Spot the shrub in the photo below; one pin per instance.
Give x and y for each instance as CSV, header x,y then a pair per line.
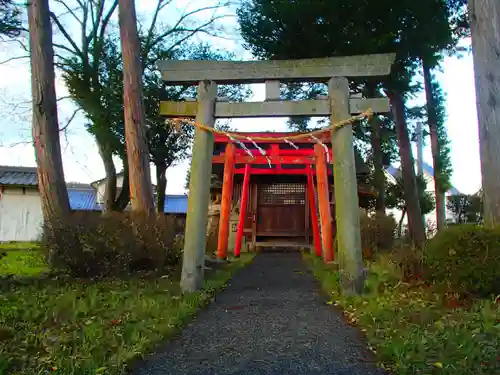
x,y
86,245
466,258
377,232
408,259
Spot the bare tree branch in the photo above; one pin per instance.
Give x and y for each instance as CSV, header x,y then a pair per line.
x,y
14,58
70,11
191,32
182,19
70,40
161,4
107,18
71,118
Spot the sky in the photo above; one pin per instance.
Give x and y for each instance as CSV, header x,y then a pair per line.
x,y
81,160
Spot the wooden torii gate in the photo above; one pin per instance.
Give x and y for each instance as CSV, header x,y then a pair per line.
x,y
338,106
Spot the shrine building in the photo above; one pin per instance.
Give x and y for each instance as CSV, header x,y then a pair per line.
x,y
272,184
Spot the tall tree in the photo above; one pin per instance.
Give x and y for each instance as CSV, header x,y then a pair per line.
x,y
436,115
141,190
51,183
485,25
89,57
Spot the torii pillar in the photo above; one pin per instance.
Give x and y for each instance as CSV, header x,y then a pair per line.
x,y
199,191
350,256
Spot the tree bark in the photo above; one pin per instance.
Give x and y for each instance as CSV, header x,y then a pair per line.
x,y
378,164
432,120
161,182
415,222
110,170
141,192
484,18
400,224
45,127
123,199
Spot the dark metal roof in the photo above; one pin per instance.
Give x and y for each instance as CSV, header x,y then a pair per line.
x,y
19,176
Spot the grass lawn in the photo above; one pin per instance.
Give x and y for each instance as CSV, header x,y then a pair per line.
x,y
95,327
21,259
411,327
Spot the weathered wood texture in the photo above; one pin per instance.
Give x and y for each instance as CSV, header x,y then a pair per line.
x,y
199,192
318,107
45,127
141,191
346,192
484,17
242,72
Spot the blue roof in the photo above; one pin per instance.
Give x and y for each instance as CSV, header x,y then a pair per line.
x,y
176,204
394,172
85,200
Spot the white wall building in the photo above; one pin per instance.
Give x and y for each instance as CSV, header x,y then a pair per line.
x,y
20,205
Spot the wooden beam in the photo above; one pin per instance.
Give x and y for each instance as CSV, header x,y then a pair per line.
x,y
325,213
314,212
283,108
273,90
227,200
183,72
243,211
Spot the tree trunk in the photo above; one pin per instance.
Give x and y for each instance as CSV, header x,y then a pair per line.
x,y
378,164
45,127
415,222
432,120
400,224
161,182
484,18
141,191
110,170
123,199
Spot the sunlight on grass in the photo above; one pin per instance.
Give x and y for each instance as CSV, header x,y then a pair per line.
x,y
95,327
22,263
410,327
18,245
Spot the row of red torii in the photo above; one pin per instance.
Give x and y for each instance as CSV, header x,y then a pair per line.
x,y
338,106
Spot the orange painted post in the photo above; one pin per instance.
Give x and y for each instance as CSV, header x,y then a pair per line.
x,y
227,200
243,211
314,212
324,203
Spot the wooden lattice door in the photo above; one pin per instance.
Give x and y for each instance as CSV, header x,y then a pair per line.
x,y
281,210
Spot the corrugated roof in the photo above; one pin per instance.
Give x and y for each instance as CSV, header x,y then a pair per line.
x,y
176,204
83,199
20,176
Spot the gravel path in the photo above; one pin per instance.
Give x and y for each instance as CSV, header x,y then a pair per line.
x,y
272,319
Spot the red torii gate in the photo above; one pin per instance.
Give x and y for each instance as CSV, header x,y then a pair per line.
x,y
277,157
